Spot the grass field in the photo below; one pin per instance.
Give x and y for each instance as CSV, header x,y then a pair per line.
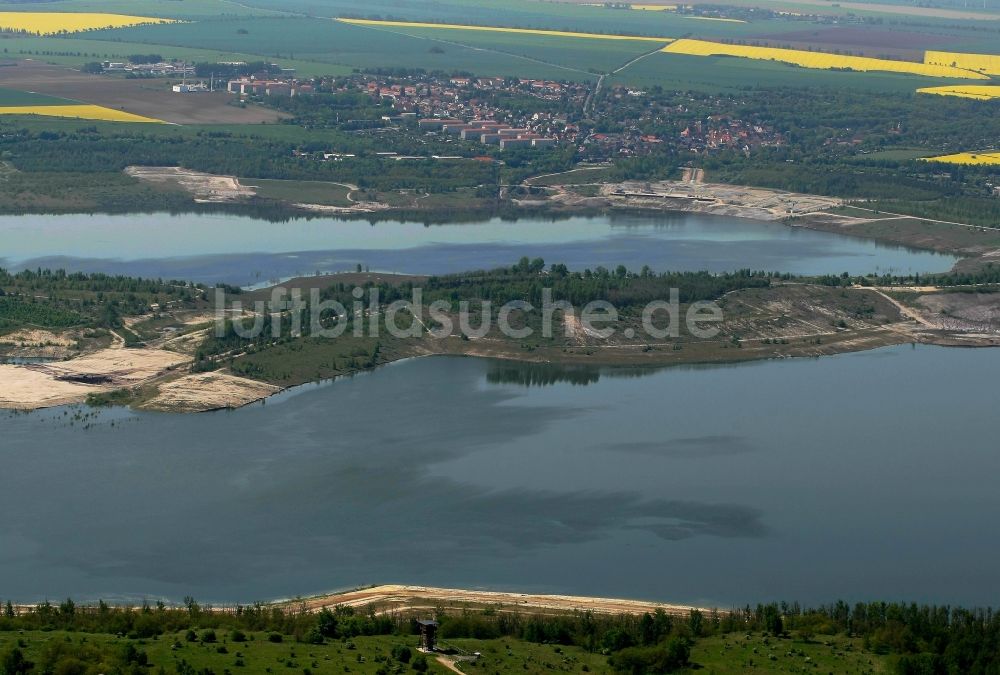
x,y
296,191
723,655
818,60
737,654
15,97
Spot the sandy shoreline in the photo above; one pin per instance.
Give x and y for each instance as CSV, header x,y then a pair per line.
x,y
392,597
777,322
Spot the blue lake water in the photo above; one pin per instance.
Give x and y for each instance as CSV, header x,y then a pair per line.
x,y
248,251
860,476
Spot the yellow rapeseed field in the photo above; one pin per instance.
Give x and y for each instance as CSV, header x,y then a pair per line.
x,y
982,63
983,92
496,29
81,111
48,23
978,158
817,60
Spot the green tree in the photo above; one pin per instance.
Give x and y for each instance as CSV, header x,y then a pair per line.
x,y
14,663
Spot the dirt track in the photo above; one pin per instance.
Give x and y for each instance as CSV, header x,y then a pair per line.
x,y
397,597
150,98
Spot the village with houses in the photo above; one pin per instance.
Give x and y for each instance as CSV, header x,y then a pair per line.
x,y
490,111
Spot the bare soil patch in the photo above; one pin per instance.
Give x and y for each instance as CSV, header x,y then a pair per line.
x,y
150,98
202,392
830,7
37,343
43,385
900,44
966,312
205,187
395,597
714,198
852,36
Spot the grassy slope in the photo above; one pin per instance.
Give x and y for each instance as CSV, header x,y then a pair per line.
x,y
723,655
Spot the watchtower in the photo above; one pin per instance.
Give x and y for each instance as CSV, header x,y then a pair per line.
x,y
428,634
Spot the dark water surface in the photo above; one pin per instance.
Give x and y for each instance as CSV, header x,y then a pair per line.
x,y
248,251
860,476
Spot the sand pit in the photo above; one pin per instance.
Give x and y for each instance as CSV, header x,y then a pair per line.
x,y
206,188
202,392
44,385
396,597
37,343
714,198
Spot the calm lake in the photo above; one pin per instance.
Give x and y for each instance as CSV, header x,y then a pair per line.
x,y
248,251
860,476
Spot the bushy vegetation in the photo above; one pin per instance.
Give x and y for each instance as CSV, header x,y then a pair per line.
x,y
57,299
527,279
915,639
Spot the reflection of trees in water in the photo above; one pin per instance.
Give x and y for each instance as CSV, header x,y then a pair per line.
x,y
547,374
541,374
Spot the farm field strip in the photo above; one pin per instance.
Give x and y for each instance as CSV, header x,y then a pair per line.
x,y
988,64
83,111
971,158
712,18
982,92
498,29
51,23
817,60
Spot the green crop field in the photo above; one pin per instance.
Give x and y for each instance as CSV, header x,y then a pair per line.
x,y
528,14
344,46
578,54
183,9
11,97
75,51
